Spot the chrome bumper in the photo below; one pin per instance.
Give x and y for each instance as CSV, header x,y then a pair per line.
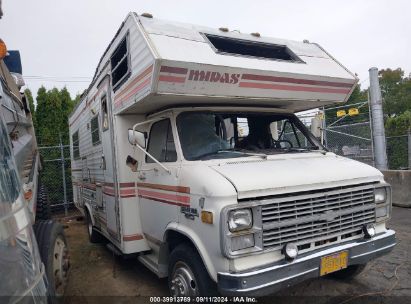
x,y
267,280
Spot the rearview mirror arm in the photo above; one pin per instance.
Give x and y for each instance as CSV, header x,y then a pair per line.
x,y
144,150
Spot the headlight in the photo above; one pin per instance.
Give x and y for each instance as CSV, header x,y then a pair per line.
x,y
380,195
382,198
240,219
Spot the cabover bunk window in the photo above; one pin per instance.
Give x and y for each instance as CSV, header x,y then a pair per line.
x,y
120,66
232,46
76,145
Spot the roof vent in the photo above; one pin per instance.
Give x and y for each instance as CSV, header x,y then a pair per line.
x,y
256,34
306,41
147,15
223,29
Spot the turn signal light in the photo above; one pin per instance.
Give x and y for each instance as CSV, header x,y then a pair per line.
x,y
3,49
207,217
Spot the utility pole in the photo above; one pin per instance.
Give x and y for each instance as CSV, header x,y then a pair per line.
x,y
63,172
378,131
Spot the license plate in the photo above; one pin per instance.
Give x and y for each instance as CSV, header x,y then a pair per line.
x,y
334,262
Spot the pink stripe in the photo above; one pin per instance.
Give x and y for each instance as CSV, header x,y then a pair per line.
x,y
296,80
134,81
166,196
259,85
172,79
127,191
134,91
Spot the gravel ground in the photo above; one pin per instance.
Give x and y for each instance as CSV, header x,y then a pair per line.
x,y
98,277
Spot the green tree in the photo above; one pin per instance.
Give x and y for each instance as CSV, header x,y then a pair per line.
x,y
30,100
67,105
396,91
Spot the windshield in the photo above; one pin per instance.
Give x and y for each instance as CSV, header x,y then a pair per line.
x,y
210,135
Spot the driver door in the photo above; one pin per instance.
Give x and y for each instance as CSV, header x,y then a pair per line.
x,y
160,199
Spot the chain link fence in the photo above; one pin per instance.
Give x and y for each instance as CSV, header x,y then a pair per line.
x,y
348,133
56,177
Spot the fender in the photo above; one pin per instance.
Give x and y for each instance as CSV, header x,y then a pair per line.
x,y
88,207
191,234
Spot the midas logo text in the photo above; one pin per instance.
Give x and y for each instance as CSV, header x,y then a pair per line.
x,y
209,76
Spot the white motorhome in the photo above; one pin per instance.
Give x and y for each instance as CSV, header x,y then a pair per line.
x,y
186,152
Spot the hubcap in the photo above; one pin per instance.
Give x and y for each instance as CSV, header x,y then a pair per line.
x,y
61,265
183,282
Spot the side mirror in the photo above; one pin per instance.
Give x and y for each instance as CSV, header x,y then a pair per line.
x,y
316,124
137,138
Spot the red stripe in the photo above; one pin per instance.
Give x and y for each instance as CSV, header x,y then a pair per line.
x,y
134,81
296,80
259,85
172,79
180,189
127,196
127,191
132,237
174,70
132,92
166,196
164,201
123,185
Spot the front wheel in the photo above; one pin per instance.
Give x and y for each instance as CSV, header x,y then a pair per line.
x,y
187,274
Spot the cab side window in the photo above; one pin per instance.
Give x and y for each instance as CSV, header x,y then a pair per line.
x,y
161,142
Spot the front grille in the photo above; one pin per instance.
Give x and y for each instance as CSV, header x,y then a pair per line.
x,y
312,218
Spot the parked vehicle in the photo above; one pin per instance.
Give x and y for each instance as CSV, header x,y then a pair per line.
x,y
33,249
186,151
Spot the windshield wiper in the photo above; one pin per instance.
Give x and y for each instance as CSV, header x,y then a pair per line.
x,y
306,149
230,151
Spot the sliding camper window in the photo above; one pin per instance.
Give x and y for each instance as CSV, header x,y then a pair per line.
x,y
248,48
161,142
95,131
120,66
76,145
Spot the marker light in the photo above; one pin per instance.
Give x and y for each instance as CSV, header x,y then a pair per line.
x,y
3,49
290,251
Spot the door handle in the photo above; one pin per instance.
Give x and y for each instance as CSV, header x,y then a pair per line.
x,y
142,176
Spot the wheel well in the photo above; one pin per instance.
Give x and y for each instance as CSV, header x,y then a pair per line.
x,y
175,238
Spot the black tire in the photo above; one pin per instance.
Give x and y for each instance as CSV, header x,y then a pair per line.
x,y
185,255
43,206
93,235
348,273
53,251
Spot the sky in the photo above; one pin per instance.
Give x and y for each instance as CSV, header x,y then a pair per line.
x,y
62,41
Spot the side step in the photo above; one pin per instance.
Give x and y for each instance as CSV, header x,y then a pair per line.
x,y
150,261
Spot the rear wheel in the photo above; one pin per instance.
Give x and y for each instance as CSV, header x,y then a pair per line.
x,y
187,274
93,235
54,254
42,206
348,273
